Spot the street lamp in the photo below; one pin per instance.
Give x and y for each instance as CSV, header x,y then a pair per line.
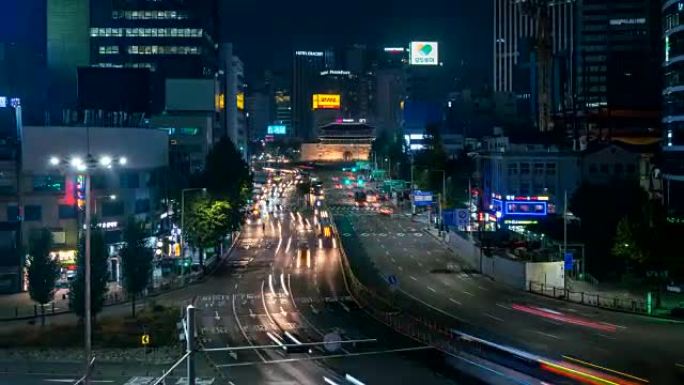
x,y
182,234
86,166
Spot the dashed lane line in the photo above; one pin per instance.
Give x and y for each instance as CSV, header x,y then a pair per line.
x,y
454,301
432,289
493,317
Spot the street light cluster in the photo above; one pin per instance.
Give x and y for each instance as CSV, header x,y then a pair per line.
x,y
80,164
86,166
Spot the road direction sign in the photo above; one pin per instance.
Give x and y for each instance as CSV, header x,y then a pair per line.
x,y
331,342
393,281
569,261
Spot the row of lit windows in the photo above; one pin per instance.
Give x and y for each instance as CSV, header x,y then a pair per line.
x,y
146,32
164,50
108,50
149,15
150,66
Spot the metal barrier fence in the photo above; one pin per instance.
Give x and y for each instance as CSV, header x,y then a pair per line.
x,y
590,299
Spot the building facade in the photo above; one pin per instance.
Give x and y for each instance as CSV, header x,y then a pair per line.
x,y
619,66
512,26
307,68
172,39
67,49
673,110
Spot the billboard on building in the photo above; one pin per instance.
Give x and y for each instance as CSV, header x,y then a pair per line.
x,y
276,129
425,53
326,101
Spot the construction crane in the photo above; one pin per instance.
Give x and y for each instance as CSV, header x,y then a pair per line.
x,y
538,12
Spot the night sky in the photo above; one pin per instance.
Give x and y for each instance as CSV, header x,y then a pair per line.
x,y
265,32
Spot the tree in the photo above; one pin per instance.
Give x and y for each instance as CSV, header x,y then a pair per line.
x,y
627,244
226,175
136,260
600,208
98,275
43,270
207,223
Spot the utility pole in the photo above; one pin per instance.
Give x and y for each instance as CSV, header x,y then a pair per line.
x,y
87,313
190,343
565,235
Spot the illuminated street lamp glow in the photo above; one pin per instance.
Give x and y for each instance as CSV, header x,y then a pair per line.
x,y
54,160
106,161
123,161
112,197
76,162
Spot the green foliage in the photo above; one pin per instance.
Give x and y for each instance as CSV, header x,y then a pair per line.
x,y
628,244
208,222
43,270
136,260
226,176
600,208
98,277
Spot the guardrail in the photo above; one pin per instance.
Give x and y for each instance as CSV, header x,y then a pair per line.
x,y
589,299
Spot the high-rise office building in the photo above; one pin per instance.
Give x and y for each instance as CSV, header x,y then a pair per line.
x,y
233,114
518,34
174,39
307,69
619,59
512,25
673,110
67,49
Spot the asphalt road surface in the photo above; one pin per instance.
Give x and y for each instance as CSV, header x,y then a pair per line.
x,y
278,281
382,246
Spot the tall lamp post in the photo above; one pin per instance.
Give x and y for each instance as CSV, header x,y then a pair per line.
x,y
86,166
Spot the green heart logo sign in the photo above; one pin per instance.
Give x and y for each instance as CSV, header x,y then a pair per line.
x,y
425,49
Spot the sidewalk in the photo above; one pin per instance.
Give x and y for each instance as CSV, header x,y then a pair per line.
x,y
20,305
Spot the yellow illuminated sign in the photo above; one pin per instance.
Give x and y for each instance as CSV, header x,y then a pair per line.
x,y
220,101
145,339
241,101
326,232
326,101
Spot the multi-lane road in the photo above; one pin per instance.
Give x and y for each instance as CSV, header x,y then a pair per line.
x,y
279,284
643,348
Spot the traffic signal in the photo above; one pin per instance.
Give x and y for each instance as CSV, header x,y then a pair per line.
x,y
360,182
347,181
353,169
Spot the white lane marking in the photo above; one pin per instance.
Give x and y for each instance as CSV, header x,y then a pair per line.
x,y
282,283
431,289
344,306
393,260
313,309
454,301
503,306
606,336
493,317
387,252
270,284
482,288
552,322
289,242
353,380
468,293
72,380
420,264
413,278
405,249
329,381
429,252
547,335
